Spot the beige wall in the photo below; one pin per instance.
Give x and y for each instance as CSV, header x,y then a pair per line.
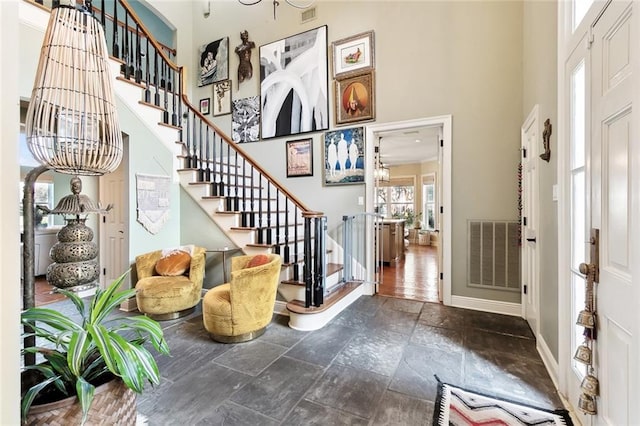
x,y
540,87
459,58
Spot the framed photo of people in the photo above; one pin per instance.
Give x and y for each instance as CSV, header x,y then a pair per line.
x,y
355,99
300,158
213,62
353,54
344,156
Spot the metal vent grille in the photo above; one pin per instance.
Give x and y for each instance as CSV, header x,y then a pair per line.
x,y
308,14
494,255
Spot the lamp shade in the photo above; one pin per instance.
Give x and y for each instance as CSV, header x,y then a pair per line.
x,y
72,124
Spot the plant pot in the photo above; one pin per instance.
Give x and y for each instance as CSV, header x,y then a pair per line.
x,y
113,403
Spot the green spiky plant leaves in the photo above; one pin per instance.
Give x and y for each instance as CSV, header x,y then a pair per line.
x,y
87,350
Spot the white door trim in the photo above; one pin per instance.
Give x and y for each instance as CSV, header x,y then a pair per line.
x,y
445,122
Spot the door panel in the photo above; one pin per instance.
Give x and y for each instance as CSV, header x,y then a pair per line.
x,y
530,268
611,126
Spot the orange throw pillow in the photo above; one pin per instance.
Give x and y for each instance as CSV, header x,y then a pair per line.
x,y
173,264
258,260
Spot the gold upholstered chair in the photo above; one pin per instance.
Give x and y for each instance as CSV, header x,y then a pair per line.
x,y
241,309
169,282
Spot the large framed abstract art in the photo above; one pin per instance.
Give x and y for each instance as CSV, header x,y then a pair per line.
x,y
213,62
294,84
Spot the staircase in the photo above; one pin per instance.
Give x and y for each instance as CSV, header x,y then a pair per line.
x,y
257,213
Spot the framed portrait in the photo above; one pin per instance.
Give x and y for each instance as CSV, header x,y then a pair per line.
x,y
222,98
204,106
344,156
300,158
245,120
355,100
213,62
353,54
293,84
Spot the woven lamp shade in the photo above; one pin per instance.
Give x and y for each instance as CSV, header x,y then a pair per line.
x,y
72,123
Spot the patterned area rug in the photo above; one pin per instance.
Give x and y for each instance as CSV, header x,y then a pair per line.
x,y
459,407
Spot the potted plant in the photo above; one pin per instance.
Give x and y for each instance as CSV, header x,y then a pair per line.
x,y
93,351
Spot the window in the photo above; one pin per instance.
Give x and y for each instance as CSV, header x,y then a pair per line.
x,y
42,196
396,202
429,210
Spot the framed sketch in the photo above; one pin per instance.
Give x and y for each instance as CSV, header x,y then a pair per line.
x,y
222,98
245,120
355,100
353,54
293,84
300,158
204,106
344,156
213,62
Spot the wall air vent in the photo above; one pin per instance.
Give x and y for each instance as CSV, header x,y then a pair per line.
x,y
494,255
308,14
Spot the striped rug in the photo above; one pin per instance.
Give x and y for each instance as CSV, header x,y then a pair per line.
x,y
459,407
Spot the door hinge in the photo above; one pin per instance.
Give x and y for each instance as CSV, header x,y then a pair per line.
x,y
524,152
441,276
104,271
590,41
104,219
524,221
441,142
524,289
441,210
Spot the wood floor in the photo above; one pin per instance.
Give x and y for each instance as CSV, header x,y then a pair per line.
x,y
45,292
415,278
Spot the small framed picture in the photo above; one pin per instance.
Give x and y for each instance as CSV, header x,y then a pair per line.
x,y
344,156
355,99
300,158
222,98
353,54
204,106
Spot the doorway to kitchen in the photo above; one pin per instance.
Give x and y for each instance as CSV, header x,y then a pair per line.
x,y
409,187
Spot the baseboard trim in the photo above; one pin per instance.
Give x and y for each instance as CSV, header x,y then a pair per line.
x,y
495,306
280,308
547,358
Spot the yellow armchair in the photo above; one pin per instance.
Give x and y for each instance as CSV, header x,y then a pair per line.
x,y
168,297
241,309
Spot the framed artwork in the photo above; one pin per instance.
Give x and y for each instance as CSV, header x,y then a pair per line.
x,y
355,99
344,156
222,98
245,120
293,84
213,62
300,158
204,106
353,54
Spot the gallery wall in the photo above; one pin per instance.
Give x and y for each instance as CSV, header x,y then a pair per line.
x,y
458,58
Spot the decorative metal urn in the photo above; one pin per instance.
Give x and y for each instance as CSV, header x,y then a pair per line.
x,y
75,255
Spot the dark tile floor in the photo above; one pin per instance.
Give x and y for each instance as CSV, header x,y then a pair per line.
x,y
375,364
372,365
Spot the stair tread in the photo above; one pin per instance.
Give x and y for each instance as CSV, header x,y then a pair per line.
x,y
171,126
208,161
154,106
297,306
126,80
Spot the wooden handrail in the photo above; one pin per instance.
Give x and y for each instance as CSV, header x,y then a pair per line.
x,y
133,30
185,99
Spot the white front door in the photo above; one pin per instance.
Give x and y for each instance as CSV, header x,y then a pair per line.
x,y
603,140
530,140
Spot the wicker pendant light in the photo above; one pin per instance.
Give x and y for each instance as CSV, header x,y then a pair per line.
x,y
72,123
